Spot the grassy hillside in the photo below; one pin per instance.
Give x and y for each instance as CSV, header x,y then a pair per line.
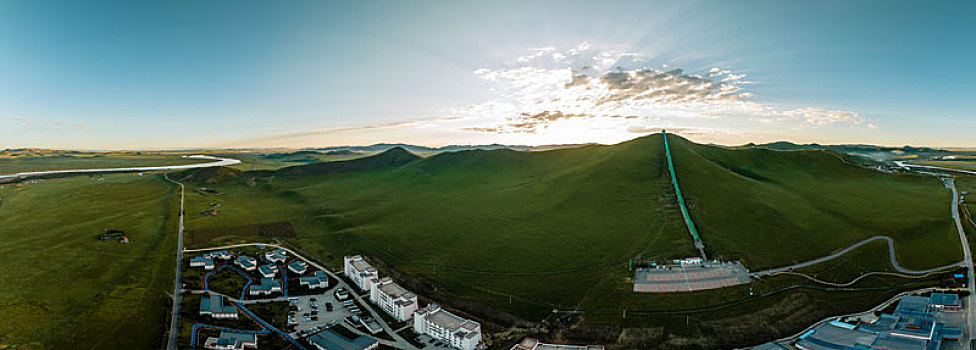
x,y
770,208
64,288
529,232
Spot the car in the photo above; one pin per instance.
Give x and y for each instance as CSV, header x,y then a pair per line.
x,y
315,318
307,319
328,306
312,299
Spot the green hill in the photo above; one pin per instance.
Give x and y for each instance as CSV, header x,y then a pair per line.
x,y
528,232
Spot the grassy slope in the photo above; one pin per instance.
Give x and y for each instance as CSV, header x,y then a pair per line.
x,y
66,289
769,208
555,229
9,165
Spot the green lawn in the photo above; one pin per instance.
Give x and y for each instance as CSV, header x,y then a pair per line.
x,y
64,288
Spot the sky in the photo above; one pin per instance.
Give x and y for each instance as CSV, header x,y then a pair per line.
x,y
248,74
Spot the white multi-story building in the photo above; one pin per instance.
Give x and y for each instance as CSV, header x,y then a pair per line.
x,y
459,332
359,271
393,299
247,263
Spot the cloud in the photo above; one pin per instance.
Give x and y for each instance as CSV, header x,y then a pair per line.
x,y
819,117
547,87
49,124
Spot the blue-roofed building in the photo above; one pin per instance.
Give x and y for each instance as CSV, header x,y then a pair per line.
x,y
298,266
944,302
912,326
213,305
268,270
232,341
330,340
276,256
319,279
247,263
267,286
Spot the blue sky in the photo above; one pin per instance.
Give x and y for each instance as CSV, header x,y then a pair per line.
x,y
175,74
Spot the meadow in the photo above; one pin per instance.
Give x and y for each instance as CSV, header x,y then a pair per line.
x,y
65,288
15,164
528,232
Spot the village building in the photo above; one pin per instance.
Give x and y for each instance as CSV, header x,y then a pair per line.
x,y
268,270
219,254
267,286
200,261
359,271
276,256
298,267
330,340
247,263
213,305
393,299
440,324
319,279
232,341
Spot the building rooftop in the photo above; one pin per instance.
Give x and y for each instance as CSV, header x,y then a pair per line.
x,y
215,304
267,284
944,299
912,303
235,340
449,321
394,290
329,339
362,266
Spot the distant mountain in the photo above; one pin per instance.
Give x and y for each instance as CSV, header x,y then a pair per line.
x,y
380,147
869,151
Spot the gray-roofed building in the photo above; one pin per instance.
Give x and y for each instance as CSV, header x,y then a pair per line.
x,y
771,346
359,271
330,340
393,299
436,322
267,286
213,305
319,279
219,254
298,266
232,341
202,261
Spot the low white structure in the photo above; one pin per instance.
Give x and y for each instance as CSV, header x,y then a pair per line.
x,y
202,261
267,286
247,263
219,254
268,270
535,344
232,341
359,271
298,266
393,299
276,256
213,305
459,332
319,279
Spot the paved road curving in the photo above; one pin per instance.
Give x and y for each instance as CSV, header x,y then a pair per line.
x,y
891,256
218,162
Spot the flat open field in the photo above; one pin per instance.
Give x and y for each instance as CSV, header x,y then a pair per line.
x,y
18,164
952,164
526,233
66,289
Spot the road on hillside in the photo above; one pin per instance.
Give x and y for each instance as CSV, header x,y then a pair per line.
x,y
174,325
891,256
971,300
218,162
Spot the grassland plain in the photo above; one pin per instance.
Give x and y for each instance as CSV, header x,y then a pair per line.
x,y
529,232
64,288
11,164
952,164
